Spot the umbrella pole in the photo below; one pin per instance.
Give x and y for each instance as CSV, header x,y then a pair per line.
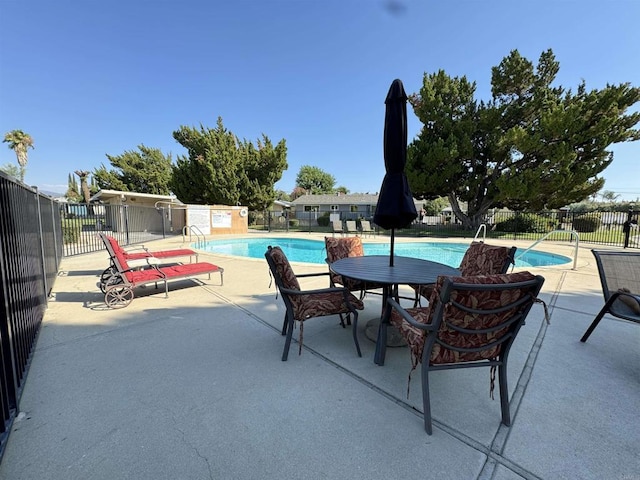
x,y
393,236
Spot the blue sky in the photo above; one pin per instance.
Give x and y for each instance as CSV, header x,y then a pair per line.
x,y
87,78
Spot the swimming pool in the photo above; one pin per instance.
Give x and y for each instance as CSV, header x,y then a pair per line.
x,y
312,251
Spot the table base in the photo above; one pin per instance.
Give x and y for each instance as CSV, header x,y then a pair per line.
x,y
394,338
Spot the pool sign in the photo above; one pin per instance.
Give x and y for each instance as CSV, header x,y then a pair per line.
x,y
198,216
221,219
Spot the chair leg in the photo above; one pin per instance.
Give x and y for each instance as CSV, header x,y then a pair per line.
x,y
504,393
354,329
287,342
596,320
416,300
426,401
284,324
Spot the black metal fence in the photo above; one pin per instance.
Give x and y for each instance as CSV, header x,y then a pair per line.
x,y
604,228
30,253
129,224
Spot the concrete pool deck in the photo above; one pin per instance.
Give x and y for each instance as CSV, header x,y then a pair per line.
x,y
192,387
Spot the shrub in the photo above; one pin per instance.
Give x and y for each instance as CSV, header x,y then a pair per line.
x,y
70,233
586,223
525,223
323,221
294,222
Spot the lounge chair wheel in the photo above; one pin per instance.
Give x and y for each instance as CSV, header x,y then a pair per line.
x,y
107,277
118,297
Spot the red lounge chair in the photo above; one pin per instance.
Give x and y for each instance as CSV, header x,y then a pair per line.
x,y
136,259
118,291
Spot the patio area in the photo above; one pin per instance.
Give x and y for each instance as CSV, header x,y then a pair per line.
x,y
192,387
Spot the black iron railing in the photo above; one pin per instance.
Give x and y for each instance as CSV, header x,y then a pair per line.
x,y
129,224
604,228
30,253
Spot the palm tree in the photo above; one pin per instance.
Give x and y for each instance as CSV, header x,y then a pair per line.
x,y
84,185
19,142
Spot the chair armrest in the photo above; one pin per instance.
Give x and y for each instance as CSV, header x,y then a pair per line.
x,y
408,318
311,292
133,248
157,269
143,262
312,274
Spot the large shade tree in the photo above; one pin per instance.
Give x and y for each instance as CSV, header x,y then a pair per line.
x,y
219,168
20,142
147,170
314,180
533,146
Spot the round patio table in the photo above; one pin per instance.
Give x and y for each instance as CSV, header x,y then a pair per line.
x,y
405,270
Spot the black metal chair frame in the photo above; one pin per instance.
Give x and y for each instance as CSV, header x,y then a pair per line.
x,y
611,293
289,320
514,324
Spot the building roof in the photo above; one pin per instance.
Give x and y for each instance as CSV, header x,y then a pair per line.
x,y
282,203
107,194
337,199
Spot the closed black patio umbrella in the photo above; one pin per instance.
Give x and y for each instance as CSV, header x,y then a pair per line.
x,y
395,207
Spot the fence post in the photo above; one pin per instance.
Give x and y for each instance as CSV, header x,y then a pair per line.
x,y
42,256
626,228
126,222
164,226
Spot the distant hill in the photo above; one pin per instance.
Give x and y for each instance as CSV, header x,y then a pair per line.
x,y
51,194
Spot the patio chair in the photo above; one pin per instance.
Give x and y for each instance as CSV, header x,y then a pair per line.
x,y
479,259
118,291
365,228
301,305
351,227
336,227
470,322
338,248
620,279
136,255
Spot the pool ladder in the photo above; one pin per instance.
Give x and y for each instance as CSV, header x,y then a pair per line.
x,y
192,229
483,228
573,234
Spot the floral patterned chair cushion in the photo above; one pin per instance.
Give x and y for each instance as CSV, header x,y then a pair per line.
x,y
311,305
483,259
479,259
338,248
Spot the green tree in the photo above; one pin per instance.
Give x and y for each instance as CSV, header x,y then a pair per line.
x,y
11,169
282,195
435,206
314,180
20,143
145,171
73,191
532,146
221,169
342,189
609,196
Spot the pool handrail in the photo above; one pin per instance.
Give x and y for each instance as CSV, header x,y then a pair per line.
x,y
573,233
195,230
482,227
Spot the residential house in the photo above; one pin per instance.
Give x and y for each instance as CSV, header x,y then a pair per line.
x,y
339,206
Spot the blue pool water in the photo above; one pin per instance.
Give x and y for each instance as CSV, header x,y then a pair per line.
x,y
312,251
